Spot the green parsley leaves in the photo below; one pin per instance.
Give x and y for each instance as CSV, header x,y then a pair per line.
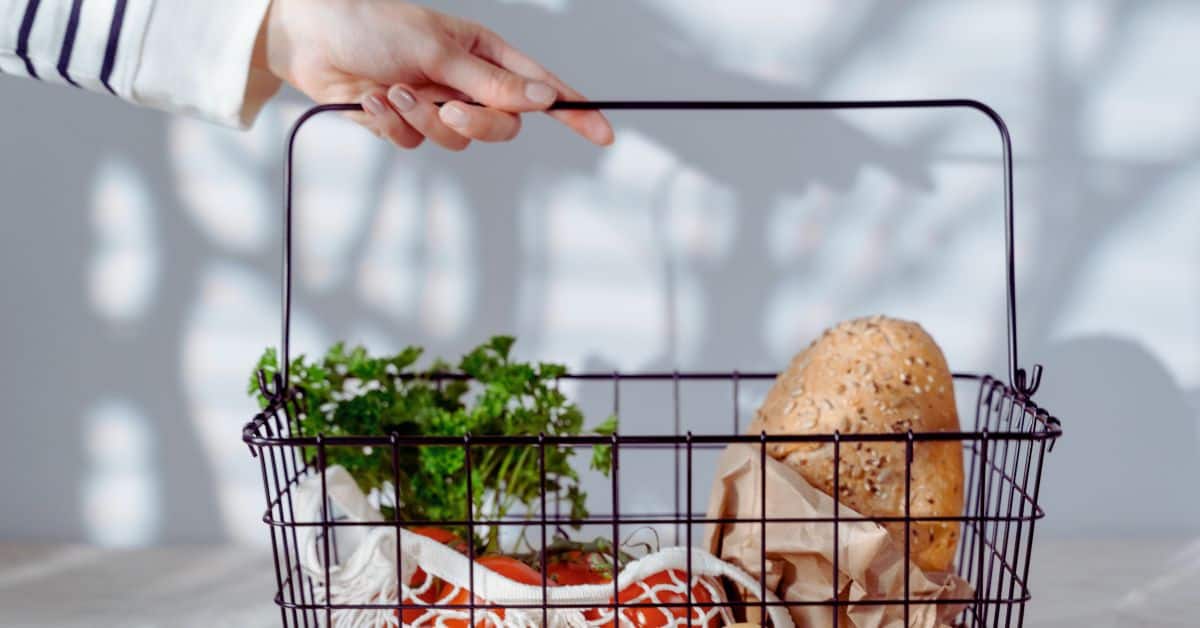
x,y
349,392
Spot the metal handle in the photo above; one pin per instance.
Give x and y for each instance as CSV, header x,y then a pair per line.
x,y
1019,380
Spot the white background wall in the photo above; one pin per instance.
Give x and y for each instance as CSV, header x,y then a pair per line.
x,y
138,252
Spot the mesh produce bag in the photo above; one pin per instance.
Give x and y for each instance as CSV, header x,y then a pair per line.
x,y
368,576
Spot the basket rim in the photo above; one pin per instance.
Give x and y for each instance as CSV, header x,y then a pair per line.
x,y
1049,430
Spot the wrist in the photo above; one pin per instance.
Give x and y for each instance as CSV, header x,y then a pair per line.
x,y
271,44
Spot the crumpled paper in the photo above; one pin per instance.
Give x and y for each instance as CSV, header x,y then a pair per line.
x,y
799,565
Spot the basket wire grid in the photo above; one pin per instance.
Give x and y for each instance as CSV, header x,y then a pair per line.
x,y
1003,459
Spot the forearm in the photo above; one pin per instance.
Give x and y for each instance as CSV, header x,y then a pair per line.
x,y
197,60
86,44
182,56
417,73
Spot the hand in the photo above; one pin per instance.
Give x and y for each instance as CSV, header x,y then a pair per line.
x,y
398,59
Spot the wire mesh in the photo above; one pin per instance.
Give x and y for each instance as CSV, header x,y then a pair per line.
x,y
1003,450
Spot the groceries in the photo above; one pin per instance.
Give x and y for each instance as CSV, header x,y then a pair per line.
x,y
875,375
351,393
454,595
807,561
667,590
424,589
362,590
872,376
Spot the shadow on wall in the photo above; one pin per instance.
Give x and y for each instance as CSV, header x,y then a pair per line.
x,y
714,241
1129,460
97,443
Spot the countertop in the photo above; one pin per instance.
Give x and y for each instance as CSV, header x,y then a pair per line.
x,y
1094,583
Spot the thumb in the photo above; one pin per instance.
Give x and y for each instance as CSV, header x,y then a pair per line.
x,y
491,85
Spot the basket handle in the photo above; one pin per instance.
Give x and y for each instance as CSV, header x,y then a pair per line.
x,y
1023,383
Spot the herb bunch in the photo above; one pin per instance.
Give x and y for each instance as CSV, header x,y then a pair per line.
x,y
349,392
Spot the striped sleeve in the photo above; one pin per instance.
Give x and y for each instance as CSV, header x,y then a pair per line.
x,y
178,55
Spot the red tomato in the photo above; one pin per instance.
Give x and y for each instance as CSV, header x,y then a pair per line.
x,y
441,535
419,577
667,589
511,568
579,567
506,566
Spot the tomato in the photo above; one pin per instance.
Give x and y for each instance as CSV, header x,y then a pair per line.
x,y
579,567
421,580
441,535
506,566
511,568
668,589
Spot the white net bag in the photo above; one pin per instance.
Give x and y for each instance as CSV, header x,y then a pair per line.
x,y
433,574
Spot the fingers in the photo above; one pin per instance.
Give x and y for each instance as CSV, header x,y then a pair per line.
x,y
422,115
387,123
406,119
490,84
592,125
480,123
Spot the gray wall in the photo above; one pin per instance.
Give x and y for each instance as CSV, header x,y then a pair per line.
x,y
138,252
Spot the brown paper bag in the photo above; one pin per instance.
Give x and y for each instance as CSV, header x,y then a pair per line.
x,y
799,556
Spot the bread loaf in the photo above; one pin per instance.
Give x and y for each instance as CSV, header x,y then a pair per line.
x,y
874,375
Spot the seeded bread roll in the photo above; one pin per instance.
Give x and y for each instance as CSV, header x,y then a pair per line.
x,y
873,375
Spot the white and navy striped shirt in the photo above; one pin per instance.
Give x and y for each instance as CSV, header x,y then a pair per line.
x,y
187,56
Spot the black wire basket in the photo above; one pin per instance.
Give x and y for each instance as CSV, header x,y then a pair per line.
x,y
1003,453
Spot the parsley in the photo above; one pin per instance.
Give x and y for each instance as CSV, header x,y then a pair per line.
x,y
349,392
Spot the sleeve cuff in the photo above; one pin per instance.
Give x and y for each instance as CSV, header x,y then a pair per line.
x,y
195,59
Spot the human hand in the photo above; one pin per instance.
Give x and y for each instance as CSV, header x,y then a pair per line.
x,y
399,59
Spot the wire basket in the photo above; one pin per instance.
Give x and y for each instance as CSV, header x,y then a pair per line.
x,y
1003,452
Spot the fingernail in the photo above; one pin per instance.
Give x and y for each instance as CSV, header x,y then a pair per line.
x,y
601,133
374,105
454,115
401,98
540,93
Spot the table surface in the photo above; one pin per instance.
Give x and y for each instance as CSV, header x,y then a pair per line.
x,y
1094,583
